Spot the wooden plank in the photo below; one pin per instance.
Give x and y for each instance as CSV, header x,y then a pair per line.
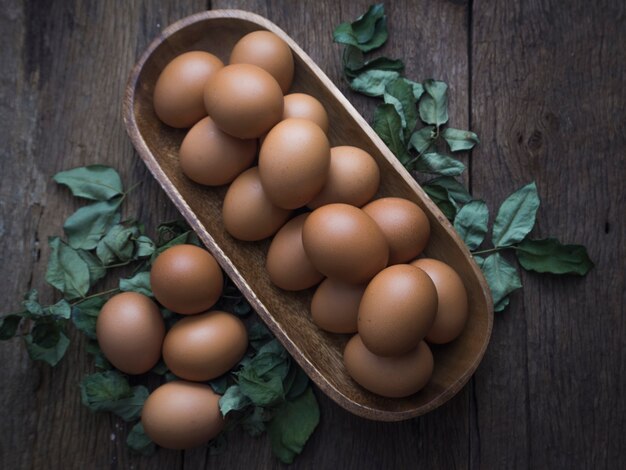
x,y
343,440
65,65
547,102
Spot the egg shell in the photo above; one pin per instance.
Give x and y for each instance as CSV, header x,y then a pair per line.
x,y
353,178
452,308
130,332
303,106
182,415
211,157
397,310
335,306
266,50
287,264
179,90
248,213
205,346
404,224
344,243
392,377
244,100
186,279
293,162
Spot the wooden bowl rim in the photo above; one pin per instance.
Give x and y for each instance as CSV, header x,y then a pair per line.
x,y
318,378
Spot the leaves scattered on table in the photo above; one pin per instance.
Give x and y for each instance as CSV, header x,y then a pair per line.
x,y
428,149
267,391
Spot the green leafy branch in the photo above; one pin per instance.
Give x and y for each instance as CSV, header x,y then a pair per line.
x,y
266,391
407,103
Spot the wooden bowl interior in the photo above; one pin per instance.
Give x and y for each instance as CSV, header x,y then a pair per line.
x,y
287,313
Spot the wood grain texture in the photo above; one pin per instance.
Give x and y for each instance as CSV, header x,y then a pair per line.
x,y
553,378
549,393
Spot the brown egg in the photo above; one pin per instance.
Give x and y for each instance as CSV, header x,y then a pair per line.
x,y
186,279
303,106
244,100
179,90
452,310
393,377
353,178
293,162
397,310
335,306
130,332
287,263
248,213
212,157
181,415
268,51
344,243
404,224
203,347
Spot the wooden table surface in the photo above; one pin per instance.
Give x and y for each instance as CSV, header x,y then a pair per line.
x,y
541,82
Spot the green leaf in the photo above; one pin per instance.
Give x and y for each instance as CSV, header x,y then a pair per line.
x,y
110,391
242,308
262,391
373,82
446,188
89,223
254,423
96,182
31,303
47,348
220,384
94,265
117,244
550,256
258,335
516,216
439,164
9,325
459,140
295,383
67,271
388,126
502,304
233,400
139,442
85,315
60,310
354,63
418,89
433,107
502,278
145,246
422,139
140,282
100,361
471,223
367,33
400,94
292,425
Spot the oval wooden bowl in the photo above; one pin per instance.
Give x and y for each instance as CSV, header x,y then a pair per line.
x,y
287,313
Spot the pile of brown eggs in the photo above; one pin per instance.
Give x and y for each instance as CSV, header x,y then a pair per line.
x,y
202,346
317,202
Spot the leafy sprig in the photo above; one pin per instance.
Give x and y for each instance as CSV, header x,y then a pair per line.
x,y
260,393
428,149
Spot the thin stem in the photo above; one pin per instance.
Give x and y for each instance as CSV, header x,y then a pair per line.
x,y
419,155
97,294
131,188
118,265
493,250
